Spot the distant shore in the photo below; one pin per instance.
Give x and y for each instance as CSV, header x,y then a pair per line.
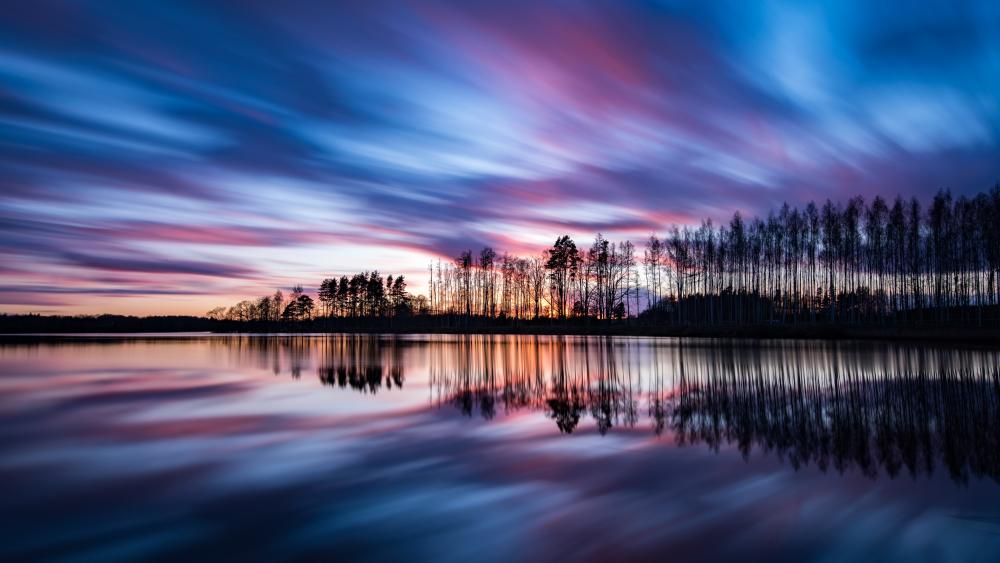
x,y
21,328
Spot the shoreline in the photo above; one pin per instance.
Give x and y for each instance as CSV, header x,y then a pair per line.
x,y
937,335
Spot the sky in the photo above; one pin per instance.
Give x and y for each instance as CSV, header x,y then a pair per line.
x,y
168,157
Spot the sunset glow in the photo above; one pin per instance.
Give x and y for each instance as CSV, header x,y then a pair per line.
x,y
170,157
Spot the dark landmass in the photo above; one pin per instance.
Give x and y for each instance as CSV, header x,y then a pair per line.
x,y
830,271
18,326
44,324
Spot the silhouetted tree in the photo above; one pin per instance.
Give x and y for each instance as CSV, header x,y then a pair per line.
x,y
562,263
852,263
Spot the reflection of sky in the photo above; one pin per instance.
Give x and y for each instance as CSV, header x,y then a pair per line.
x,y
165,156
106,459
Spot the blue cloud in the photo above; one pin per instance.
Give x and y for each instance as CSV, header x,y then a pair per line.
x,y
414,126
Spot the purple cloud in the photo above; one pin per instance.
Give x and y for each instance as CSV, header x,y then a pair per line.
x,y
245,147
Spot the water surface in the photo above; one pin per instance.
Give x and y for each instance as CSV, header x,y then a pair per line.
x,y
459,448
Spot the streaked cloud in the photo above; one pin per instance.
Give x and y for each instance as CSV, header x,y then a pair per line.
x,y
229,149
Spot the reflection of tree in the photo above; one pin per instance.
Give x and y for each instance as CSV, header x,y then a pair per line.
x,y
658,396
846,410
841,406
583,375
277,353
360,362
363,363
566,403
838,406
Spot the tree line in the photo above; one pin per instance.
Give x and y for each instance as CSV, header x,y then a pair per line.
x,y
563,282
362,295
845,263
851,263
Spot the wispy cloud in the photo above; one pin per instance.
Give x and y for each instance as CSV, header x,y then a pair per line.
x,y
238,148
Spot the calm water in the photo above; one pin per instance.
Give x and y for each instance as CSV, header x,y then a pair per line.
x,y
449,448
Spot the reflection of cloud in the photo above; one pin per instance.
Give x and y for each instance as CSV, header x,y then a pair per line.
x,y
210,452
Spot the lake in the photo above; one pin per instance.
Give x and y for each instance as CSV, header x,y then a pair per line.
x,y
496,448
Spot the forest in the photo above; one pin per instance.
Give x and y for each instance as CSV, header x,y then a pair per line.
x,y
854,263
878,262
837,264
